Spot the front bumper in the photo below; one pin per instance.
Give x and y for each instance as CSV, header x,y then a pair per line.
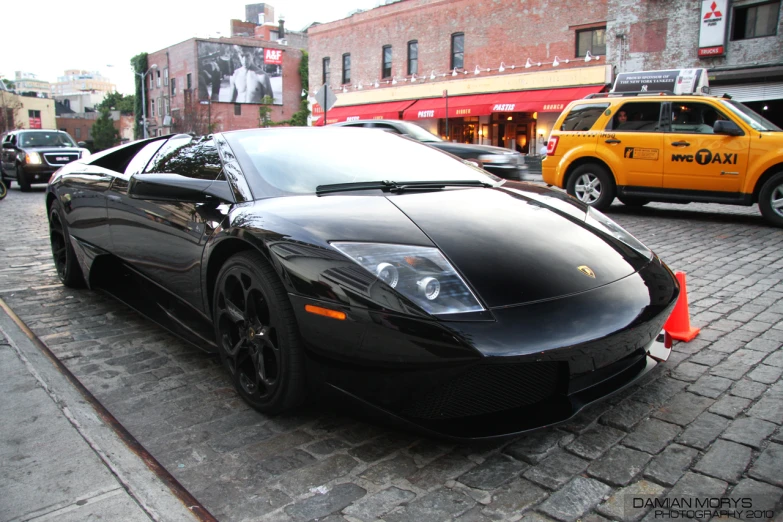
x,y
506,171
34,173
520,368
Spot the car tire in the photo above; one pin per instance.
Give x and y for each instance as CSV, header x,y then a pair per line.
x,y
24,184
592,184
771,199
65,261
257,335
632,201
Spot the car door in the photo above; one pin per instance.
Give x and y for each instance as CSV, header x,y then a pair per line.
x,y
698,159
634,147
164,240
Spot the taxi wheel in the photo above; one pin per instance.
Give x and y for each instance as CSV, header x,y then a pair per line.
x,y
771,199
633,202
592,184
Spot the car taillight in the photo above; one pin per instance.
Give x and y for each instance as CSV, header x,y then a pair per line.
x,y
551,146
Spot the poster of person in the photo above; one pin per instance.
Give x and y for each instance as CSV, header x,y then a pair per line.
x,y
238,73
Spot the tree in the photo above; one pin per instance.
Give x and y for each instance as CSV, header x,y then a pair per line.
x,y
118,101
139,65
104,134
265,112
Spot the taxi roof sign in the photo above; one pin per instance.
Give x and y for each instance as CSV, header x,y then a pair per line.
x,y
675,81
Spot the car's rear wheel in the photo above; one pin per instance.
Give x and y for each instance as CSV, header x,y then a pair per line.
x,y
632,201
771,199
65,262
24,183
590,183
257,335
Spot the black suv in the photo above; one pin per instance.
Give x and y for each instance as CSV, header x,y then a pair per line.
x,y
505,163
31,156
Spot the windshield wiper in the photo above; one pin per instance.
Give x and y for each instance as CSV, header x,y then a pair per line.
x,y
398,186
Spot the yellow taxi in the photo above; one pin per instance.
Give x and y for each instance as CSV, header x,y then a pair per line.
x,y
640,146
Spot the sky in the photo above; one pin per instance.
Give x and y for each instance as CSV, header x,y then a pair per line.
x,y
46,37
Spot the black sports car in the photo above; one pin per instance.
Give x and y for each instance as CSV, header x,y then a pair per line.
x,y
365,264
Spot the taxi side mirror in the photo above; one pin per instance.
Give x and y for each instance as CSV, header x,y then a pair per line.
x,y
727,127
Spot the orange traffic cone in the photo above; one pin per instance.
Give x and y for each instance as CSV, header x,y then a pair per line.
x,y
679,323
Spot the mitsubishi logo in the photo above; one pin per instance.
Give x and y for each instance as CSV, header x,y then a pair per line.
x,y
713,12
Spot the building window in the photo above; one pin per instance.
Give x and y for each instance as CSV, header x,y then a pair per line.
x,y
152,108
457,51
346,68
755,21
327,64
413,57
166,76
387,62
157,78
78,133
173,86
593,40
190,81
160,106
237,109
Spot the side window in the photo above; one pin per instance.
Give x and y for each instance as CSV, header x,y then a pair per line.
x,y
583,117
386,127
637,117
186,156
141,159
694,118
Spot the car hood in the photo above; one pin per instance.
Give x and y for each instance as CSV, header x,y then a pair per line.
x,y
53,149
513,248
512,245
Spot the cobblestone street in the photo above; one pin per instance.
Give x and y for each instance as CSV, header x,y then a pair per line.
x,y
707,422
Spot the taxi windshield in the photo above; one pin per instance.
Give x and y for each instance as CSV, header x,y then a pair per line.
x,y
751,117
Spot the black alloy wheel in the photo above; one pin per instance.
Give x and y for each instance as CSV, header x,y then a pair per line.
x,y
65,262
24,183
257,334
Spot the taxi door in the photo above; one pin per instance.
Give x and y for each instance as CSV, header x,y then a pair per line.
x,y
698,159
632,144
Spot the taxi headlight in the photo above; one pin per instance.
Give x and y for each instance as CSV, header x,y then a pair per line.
x,y
421,274
600,222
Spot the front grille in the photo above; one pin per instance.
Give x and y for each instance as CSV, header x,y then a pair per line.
x,y
57,159
490,388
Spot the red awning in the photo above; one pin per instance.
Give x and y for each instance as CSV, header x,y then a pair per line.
x,y
371,111
545,100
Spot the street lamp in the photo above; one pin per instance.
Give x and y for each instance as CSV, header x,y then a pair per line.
x,y
144,99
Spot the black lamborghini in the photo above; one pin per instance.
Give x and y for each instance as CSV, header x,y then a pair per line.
x,y
364,264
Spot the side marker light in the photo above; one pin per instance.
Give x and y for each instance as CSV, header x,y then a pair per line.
x,y
317,310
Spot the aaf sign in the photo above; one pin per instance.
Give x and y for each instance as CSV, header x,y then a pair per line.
x,y
712,28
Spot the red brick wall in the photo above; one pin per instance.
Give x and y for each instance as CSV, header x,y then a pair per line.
x,y
182,59
496,31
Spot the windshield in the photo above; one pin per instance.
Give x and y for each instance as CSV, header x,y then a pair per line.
x,y
420,134
751,117
45,139
296,161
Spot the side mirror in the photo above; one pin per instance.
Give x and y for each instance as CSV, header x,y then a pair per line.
x,y
8,145
174,187
728,128
82,144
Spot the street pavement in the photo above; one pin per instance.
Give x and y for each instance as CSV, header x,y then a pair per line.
x,y
706,423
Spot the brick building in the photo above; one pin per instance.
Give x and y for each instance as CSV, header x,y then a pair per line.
x,y
79,125
210,84
509,68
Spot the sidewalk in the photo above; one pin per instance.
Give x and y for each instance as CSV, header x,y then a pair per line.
x,y
63,458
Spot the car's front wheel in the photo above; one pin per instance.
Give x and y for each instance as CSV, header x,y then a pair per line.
x,y
65,262
771,199
24,183
592,184
257,335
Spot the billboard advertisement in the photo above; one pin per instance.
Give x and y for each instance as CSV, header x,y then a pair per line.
x,y
239,73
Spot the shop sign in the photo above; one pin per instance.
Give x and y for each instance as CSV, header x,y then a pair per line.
x,y
504,107
554,106
712,28
273,56
352,118
35,123
426,114
463,112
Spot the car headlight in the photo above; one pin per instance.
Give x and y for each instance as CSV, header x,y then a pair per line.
x,y
599,221
33,158
495,158
420,274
